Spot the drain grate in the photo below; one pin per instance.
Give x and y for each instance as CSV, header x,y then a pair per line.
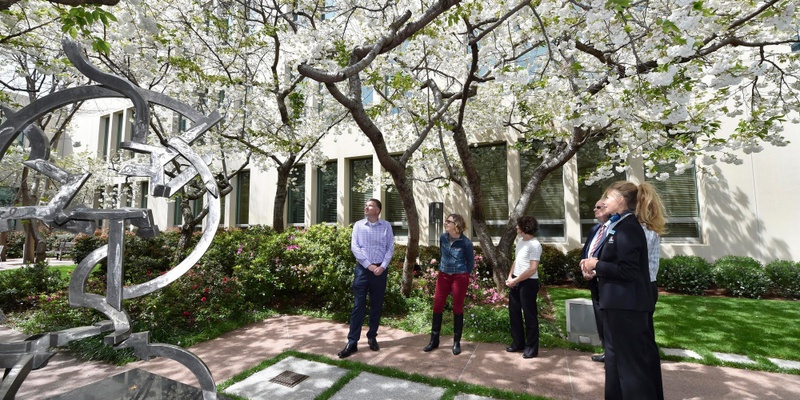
x,y
289,378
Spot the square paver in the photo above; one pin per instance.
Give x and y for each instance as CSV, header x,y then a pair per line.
x,y
785,364
736,358
368,386
682,353
258,386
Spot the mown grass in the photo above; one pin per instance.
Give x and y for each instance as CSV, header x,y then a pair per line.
x,y
755,328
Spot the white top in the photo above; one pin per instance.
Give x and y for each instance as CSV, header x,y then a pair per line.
x,y
527,251
653,251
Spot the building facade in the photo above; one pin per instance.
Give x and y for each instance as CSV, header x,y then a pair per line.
x,y
746,209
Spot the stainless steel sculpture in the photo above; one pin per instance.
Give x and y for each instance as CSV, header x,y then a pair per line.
x,y
19,358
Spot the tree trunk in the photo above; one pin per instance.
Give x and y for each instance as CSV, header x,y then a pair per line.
x,y
29,226
412,250
3,244
281,193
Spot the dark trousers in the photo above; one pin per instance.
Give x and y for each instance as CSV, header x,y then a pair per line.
x,y
654,286
450,283
598,313
522,303
365,282
633,366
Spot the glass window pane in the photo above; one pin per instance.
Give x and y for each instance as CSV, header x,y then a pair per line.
x,y
393,209
547,204
679,194
490,162
359,171
243,198
177,215
296,201
326,193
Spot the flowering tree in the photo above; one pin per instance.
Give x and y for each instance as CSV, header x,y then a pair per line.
x,y
648,80
32,68
6,4
237,57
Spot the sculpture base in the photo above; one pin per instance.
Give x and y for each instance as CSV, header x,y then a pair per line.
x,y
135,384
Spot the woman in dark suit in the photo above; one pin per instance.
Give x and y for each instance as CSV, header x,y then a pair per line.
x,y
632,364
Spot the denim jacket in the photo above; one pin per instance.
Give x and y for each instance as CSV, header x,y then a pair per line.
x,y
458,258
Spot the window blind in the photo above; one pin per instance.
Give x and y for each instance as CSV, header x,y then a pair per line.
x,y
359,170
326,193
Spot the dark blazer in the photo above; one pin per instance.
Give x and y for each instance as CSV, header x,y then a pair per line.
x,y
585,254
589,237
623,276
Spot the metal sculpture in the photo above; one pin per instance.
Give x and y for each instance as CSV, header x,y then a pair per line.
x,y
19,358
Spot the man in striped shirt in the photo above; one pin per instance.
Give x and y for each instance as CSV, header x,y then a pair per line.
x,y
372,243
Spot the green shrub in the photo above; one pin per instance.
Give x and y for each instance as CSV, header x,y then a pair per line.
x,y
785,277
685,274
14,244
233,247
200,298
53,313
572,261
20,287
741,276
552,265
146,258
85,244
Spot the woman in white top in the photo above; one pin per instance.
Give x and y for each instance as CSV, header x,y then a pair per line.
x,y
652,216
523,281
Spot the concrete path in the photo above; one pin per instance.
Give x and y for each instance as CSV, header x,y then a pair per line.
x,y
13,263
556,373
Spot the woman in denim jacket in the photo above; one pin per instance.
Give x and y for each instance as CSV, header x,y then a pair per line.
x,y
455,267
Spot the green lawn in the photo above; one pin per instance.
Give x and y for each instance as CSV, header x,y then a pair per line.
x,y
756,328
65,270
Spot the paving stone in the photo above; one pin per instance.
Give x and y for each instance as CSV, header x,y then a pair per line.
x,y
786,364
367,386
321,376
682,353
462,396
736,358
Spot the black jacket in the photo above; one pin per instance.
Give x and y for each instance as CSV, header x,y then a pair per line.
x,y
623,277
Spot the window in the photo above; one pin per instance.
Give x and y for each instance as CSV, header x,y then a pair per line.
x,y
183,123
359,171
296,196
679,194
393,211
547,204
177,213
144,190
105,127
127,191
120,130
589,157
243,198
490,162
326,193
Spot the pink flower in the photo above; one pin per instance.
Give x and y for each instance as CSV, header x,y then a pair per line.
x,y
203,299
434,261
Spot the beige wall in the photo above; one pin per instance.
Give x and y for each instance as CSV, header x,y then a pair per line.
x,y
751,209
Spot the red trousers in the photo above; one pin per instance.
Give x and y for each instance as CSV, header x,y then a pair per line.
x,y
450,283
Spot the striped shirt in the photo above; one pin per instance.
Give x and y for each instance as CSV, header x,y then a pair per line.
x,y
372,243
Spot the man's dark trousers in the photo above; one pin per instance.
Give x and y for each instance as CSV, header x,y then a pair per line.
x,y
365,282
